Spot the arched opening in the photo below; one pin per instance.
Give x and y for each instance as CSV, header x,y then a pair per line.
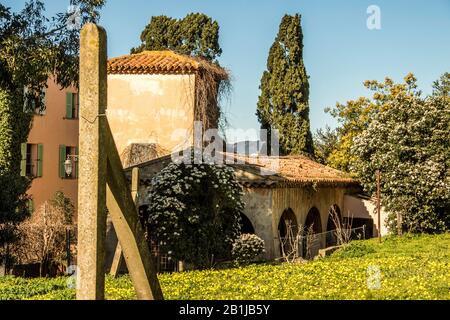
x,y
334,225
313,220
287,231
246,225
311,242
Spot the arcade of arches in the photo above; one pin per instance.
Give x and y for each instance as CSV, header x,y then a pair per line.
x,y
273,210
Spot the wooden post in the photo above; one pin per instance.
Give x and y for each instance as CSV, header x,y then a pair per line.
x,y
92,164
117,262
102,183
378,206
399,224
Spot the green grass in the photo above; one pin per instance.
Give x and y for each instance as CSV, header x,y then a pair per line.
x,y
411,267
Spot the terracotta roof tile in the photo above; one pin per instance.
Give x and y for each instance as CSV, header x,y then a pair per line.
x,y
273,172
159,62
290,170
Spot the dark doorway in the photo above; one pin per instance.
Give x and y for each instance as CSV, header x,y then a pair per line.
x,y
310,242
334,223
313,219
246,225
162,260
287,230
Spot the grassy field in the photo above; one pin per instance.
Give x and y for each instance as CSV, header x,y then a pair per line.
x,y
411,267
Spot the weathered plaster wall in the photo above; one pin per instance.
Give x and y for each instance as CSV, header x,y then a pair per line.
x,y
366,209
145,108
52,130
258,208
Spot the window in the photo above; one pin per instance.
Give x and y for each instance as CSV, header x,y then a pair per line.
x,y
31,162
30,205
71,154
72,105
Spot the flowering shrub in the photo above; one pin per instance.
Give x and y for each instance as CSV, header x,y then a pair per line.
x,y
247,248
408,141
195,210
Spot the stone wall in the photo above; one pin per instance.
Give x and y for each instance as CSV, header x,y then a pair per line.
x,y
366,208
258,208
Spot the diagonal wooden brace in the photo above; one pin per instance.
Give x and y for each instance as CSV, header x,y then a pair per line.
x,y
118,259
128,227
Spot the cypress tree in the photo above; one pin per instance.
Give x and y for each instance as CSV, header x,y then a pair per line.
x,y
283,103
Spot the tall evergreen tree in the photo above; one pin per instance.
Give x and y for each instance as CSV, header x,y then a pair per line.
x,y
283,103
195,35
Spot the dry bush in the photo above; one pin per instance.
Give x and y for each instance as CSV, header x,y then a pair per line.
x,y
212,84
43,236
295,241
290,250
343,231
309,239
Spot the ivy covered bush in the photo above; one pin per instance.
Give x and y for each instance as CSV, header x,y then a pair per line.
x,y
247,248
14,128
194,211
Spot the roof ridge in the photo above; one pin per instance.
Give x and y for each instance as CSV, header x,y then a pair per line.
x,y
166,61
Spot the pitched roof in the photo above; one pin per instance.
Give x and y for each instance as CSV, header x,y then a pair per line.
x,y
160,62
288,171
269,172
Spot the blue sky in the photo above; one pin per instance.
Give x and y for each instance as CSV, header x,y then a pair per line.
x,y
340,52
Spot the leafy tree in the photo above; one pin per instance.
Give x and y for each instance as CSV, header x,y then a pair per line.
x,y
195,35
13,201
408,140
325,142
32,46
194,211
354,117
442,85
283,103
